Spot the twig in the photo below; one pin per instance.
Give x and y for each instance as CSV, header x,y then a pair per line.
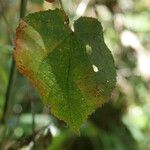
x,y
13,69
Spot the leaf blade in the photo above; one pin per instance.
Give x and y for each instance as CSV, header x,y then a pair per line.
x,y
55,60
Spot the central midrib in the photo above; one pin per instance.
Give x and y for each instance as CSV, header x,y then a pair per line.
x,y
68,84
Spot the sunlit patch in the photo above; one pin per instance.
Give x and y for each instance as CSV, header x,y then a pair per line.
x,y
95,68
130,39
136,118
88,49
72,28
53,130
82,7
18,132
136,111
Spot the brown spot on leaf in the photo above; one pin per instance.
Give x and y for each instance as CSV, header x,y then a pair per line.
x,y
19,31
18,57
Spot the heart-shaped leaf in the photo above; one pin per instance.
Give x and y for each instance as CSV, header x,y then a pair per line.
x,y
73,71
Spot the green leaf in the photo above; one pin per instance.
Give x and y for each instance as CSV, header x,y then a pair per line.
x,y
74,72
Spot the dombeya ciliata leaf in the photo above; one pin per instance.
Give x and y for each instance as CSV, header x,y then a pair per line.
x,y
73,70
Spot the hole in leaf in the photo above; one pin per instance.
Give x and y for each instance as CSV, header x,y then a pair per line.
x,y
95,68
66,22
88,49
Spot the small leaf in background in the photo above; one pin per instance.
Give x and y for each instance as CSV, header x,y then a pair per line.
x,y
73,71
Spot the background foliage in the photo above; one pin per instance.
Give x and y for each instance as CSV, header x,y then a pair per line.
x,y
123,123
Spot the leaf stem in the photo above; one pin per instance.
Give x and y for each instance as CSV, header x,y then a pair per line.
x,y
23,6
13,69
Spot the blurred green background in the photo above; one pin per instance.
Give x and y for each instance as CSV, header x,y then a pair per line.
x,y
121,124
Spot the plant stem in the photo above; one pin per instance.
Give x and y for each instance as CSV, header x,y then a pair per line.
x,y
61,5
8,91
23,6
32,104
13,69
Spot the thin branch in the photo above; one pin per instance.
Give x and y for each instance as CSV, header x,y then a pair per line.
x,y
13,69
